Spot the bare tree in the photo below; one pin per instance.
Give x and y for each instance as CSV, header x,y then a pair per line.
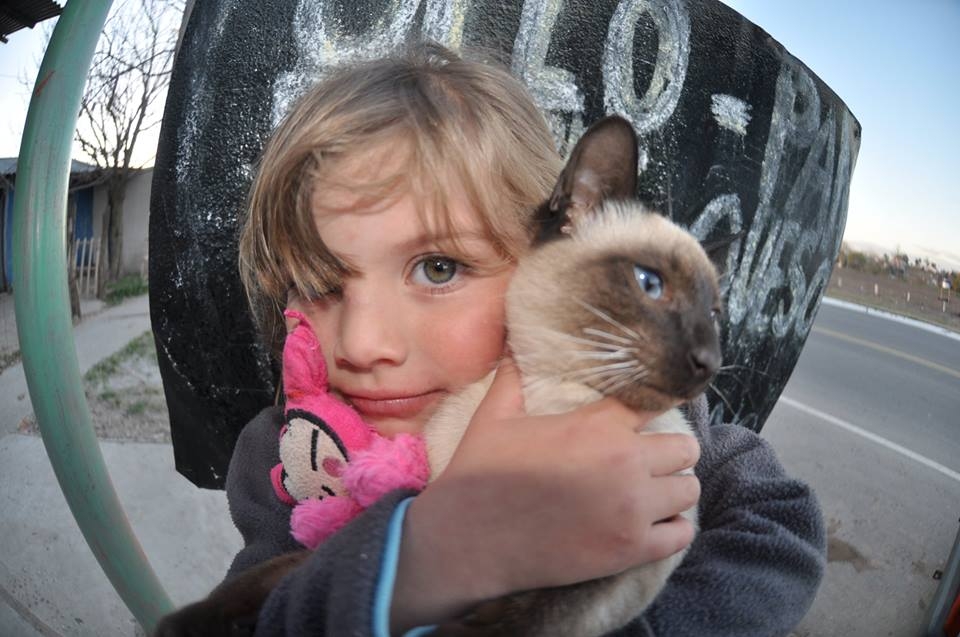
x,y
123,97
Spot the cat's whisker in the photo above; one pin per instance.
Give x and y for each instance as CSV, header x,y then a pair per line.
x,y
621,353
592,331
728,374
622,381
622,365
586,376
606,317
605,386
594,373
581,376
578,340
639,375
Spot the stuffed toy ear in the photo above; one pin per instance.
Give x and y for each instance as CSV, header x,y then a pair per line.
x,y
304,371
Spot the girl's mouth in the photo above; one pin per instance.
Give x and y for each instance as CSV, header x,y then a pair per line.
x,y
393,406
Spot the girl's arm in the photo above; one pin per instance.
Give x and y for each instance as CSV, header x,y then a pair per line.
x,y
756,564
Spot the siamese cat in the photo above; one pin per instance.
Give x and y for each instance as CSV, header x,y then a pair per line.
x,y
612,300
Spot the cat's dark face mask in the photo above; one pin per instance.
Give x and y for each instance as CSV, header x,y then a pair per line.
x,y
661,305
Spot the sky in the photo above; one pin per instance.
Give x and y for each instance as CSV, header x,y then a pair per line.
x,y
896,65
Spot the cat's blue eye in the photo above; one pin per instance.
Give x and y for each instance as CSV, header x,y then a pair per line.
x,y
649,281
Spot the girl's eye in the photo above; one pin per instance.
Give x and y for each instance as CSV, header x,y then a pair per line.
x,y
649,281
436,271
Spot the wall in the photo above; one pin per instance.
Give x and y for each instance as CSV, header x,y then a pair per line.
x,y
136,221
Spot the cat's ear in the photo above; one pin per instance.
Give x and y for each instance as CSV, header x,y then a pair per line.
x,y
603,165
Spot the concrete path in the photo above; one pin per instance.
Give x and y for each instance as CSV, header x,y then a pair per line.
x,y
101,333
50,583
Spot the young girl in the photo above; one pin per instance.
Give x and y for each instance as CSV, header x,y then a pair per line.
x,y
390,207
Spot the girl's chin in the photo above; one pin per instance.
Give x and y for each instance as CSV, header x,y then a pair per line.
x,y
390,427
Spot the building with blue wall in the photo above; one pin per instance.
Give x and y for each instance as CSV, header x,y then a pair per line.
x,y
88,196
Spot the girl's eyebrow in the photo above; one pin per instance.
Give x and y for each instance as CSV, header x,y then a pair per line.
x,y
427,239
443,240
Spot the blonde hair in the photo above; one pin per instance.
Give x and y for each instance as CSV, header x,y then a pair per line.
x,y
462,123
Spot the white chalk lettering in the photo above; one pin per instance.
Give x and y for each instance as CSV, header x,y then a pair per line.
x,y
554,89
730,112
651,111
443,21
778,250
322,43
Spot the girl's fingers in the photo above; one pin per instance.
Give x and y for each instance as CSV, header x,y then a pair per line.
x,y
667,537
667,453
504,399
672,495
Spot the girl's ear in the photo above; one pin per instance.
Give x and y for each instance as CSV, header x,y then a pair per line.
x,y
603,165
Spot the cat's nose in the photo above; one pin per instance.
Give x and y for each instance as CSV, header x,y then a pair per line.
x,y
704,361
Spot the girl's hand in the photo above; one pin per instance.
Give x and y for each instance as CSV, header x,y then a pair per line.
x,y
538,501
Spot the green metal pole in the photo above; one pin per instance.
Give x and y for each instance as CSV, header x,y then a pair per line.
x,y
43,312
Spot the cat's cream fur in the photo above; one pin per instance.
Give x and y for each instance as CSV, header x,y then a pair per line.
x,y
546,305
580,327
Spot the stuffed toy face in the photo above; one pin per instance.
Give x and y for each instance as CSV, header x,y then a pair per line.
x,y
321,434
332,464
313,457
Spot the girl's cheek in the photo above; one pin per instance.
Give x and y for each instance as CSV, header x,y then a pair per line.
x,y
477,344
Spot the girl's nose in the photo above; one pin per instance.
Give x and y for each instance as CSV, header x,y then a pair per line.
x,y
370,334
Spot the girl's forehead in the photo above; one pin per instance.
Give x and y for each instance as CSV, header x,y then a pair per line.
x,y
382,176
401,203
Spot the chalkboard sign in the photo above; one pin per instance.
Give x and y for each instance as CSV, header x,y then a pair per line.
x,y
737,136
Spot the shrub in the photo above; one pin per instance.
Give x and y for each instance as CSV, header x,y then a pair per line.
x,y
125,287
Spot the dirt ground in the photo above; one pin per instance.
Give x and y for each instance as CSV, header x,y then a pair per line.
x,y
890,294
125,395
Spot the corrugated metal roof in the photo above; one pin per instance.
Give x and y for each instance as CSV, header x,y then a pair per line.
x,y
8,166
19,14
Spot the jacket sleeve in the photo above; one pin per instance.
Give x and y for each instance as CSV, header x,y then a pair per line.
x,y
757,561
340,589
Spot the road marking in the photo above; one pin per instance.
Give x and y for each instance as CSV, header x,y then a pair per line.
x,y
843,424
888,350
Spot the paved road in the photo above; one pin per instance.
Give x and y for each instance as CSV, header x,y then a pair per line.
x,y
871,418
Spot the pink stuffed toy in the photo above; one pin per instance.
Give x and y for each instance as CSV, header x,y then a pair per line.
x,y
332,464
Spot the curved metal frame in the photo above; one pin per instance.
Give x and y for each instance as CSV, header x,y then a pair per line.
x,y
42,308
